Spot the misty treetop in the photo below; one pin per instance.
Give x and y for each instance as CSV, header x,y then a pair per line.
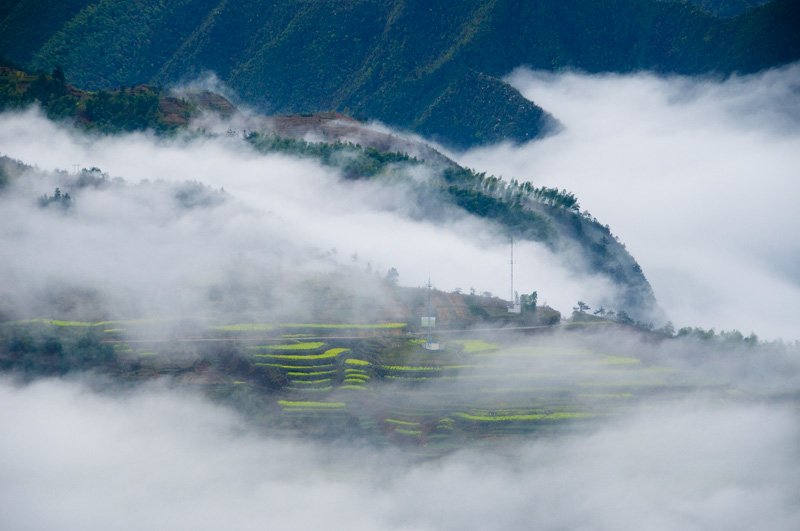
x,y
123,110
62,201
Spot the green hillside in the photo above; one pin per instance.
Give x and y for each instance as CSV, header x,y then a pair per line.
x,y
431,67
377,382
519,210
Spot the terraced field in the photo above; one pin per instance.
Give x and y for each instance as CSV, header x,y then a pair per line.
x,y
378,381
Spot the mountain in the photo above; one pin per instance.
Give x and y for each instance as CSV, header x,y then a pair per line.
x,y
728,8
516,210
431,67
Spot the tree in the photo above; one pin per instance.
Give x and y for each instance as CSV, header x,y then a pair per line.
x,y
668,329
58,199
58,74
391,277
528,302
581,307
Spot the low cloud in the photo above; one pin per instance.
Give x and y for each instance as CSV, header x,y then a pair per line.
x,y
83,454
157,458
696,176
132,239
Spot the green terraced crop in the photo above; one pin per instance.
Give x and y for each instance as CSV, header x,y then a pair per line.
x,y
294,346
247,327
611,396
311,405
475,345
263,327
354,387
535,416
654,383
315,373
344,326
353,361
311,382
536,351
407,432
297,367
355,380
402,422
410,369
446,424
328,354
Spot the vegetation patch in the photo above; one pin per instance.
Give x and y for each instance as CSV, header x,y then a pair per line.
x,y
407,432
312,382
264,327
311,389
400,368
535,416
379,326
296,367
315,373
402,422
247,327
610,396
475,345
311,405
537,351
353,361
294,346
296,357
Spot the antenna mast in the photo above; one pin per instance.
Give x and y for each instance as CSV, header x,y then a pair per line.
x,y
512,271
430,344
514,307
429,311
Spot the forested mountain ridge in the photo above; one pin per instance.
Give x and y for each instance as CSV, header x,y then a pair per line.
x,y
431,67
519,210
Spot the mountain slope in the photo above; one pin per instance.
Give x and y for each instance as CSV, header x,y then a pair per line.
x,y
512,209
417,65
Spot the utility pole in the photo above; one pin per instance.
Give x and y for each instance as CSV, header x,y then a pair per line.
x,y
430,344
514,307
429,311
512,271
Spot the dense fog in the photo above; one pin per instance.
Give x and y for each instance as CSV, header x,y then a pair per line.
x,y
698,177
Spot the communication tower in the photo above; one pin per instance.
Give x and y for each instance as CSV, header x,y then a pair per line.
x,y
430,320
515,306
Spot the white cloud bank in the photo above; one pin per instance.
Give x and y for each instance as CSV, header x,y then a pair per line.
x,y
155,459
134,239
698,177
